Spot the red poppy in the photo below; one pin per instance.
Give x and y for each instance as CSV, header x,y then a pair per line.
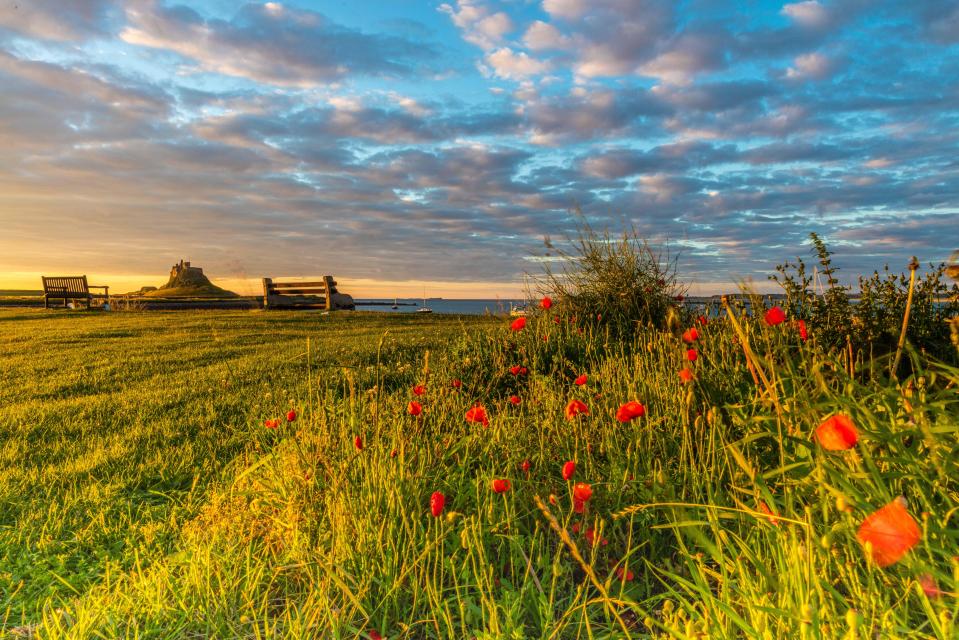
x,y
414,408
555,319
271,423
890,532
523,371
291,415
546,302
581,380
591,536
686,375
769,513
575,408
775,316
837,433
358,443
525,466
691,355
630,411
394,453
374,635
457,383
515,400
702,321
518,324
419,390
582,492
568,470
803,333
500,485
575,527
437,502
690,336
624,574
477,414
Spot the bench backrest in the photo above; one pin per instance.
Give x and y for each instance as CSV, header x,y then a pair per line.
x,y
65,286
280,293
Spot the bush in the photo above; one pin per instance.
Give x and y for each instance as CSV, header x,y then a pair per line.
x,y
619,282
873,324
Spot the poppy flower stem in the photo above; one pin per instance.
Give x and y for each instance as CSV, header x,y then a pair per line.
x,y
913,267
751,357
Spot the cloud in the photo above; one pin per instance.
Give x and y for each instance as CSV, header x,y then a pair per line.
x,y
272,43
479,25
808,13
542,36
810,66
513,65
54,20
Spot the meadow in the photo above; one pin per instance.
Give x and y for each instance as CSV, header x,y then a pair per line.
x,y
470,478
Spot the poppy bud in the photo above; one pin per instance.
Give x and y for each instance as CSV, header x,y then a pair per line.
x,y
457,383
569,469
525,466
358,443
291,415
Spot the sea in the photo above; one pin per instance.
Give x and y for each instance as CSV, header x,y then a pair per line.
x,y
442,305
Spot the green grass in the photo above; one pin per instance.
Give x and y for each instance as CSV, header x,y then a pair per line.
x,y
142,476
113,426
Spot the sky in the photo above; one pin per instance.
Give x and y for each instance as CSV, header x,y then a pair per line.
x,y
412,144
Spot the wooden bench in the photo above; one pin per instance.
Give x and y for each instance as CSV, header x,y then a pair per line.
x,y
294,295
71,288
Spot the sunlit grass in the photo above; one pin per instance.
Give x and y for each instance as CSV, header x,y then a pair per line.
x,y
717,505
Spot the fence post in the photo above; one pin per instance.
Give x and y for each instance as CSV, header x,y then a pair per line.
x,y
267,283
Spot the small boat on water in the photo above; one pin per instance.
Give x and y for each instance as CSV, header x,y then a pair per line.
x,y
424,308
395,306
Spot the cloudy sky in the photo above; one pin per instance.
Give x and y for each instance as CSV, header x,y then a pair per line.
x,y
410,141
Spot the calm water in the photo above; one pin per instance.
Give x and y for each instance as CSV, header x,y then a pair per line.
x,y
473,307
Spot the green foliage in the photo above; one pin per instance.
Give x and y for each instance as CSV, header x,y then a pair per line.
x,y
873,323
618,281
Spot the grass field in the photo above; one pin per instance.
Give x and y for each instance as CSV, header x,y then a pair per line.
x,y
115,426
144,497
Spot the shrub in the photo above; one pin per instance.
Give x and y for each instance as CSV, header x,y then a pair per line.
x,y
619,282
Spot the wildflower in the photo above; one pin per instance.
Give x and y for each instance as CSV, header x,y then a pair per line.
x,y
523,371
575,527
582,492
457,383
525,466
374,635
394,453
291,415
686,375
581,380
691,355
514,400
630,411
477,414
837,433
803,333
552,499
775,316
624,574
568,470
575,408
414,408
889,533
500,485
518,324
271,423
702,321
419,390
358,443
437,502
769,513
690,336
591,537
546,302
